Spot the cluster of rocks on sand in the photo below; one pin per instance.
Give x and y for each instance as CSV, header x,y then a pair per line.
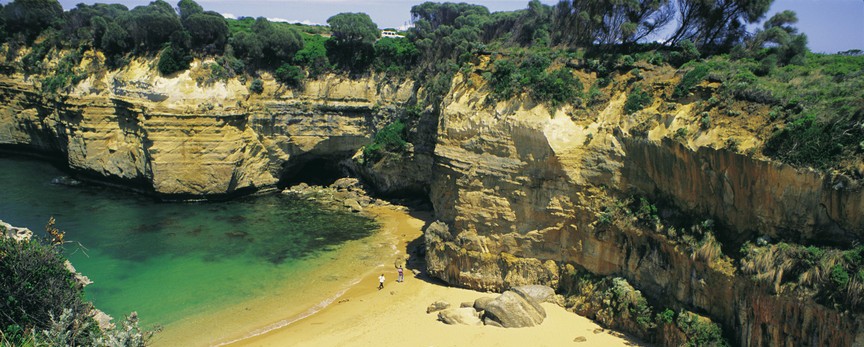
x,y
345,194
518,307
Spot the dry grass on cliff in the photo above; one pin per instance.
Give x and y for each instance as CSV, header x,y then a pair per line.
x,y
833,276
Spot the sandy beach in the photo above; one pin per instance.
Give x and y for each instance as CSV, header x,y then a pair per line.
x,y
396,316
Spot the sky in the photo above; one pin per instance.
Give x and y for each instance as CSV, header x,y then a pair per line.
x,y
831,25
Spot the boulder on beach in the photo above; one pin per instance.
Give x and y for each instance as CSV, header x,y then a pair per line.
x,y
437,306
480,303
512,310
462,315
537,293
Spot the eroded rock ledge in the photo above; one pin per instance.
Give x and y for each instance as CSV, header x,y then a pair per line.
x,y
194,140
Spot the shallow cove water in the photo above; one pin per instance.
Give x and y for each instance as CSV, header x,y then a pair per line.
x,y
178,262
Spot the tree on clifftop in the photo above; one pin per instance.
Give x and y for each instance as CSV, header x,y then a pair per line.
x,y
31,16
351,44
188,8
152,25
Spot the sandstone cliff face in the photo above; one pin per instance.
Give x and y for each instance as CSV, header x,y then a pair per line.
x,y
519,192
177,137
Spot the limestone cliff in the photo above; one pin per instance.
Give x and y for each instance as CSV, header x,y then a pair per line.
x,y
179,136
519,189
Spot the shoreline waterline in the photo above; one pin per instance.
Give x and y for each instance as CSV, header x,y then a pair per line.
x,y
327,280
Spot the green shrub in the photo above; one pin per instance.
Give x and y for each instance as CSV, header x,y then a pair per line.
x,y
700,331
502,80
637,100
257,86
705,121
313,55
690,80
557,87
839,276
390,138
666,317
36,286
289,75
172,60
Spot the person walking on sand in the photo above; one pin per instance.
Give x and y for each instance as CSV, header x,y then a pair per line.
x,y
381,282
401,274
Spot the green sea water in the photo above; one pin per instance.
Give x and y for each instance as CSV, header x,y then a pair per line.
x,y
168,261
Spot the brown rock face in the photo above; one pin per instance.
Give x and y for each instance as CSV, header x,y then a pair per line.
x,y
174,137
518,192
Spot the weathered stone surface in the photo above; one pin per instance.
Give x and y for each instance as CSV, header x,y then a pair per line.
x,y
15,233
462,315
536,293
511,310
480,303
437,306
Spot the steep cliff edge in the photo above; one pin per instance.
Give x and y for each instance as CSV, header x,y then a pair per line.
x,y
523,191
176,136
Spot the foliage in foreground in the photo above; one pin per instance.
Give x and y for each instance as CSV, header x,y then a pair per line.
x,y
42,304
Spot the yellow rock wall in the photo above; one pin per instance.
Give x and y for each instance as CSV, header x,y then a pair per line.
x,y
518,186
176,137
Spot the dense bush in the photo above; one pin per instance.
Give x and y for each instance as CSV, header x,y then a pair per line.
x,y
257,86
289,75
30,17
395,54
313,55
351,46
700,331
508,80
36,287
42,304
690,80
390,138
172,60
637,100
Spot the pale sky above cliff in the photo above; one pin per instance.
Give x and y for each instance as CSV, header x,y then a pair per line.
x,y
830,25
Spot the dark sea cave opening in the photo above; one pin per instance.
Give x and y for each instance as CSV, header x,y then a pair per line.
x,y
318,171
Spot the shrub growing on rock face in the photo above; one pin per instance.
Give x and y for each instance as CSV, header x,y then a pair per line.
x,y
690,80
257,86
172,60
637,100
289,75
391,138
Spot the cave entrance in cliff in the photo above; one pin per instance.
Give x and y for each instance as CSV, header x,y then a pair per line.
x,y
320,171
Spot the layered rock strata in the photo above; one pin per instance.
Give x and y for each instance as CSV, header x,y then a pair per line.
x,y
518,189
178,137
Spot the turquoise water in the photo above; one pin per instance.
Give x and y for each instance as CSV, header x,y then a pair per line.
x,y
168,261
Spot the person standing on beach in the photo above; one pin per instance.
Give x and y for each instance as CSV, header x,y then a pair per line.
x,y
401,275
381,282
